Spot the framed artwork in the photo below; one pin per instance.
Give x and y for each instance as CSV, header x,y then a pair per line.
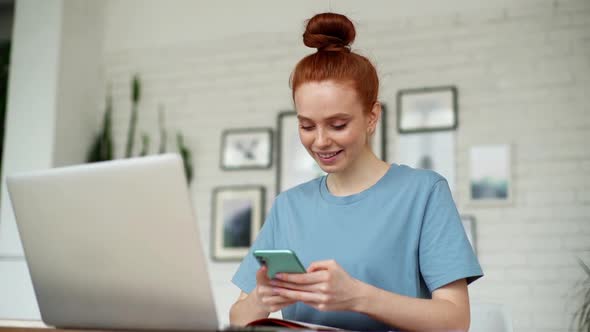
x,y
295,165
237,218
490,174
429,150
427,109
248,148
469,226
379,139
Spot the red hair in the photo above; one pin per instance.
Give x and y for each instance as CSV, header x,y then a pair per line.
x,y
332,35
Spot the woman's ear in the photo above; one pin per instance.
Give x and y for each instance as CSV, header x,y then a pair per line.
x,y
373,117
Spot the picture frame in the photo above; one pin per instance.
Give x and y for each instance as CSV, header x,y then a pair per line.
x,y
295,165
429,150
490,178
238,213
379,139
246,149
427,109
468,222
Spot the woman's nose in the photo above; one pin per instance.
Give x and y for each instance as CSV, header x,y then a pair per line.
x,y
322,139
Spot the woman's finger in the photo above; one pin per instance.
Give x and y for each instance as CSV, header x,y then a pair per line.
x,y
322,265
279,304
302,278
317,287
261,276
277,300
301,296
265,290
275,303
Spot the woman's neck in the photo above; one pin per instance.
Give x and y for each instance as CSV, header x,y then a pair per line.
x,y
361,175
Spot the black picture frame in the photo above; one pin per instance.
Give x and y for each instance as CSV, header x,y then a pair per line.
x,y
237,216
442,101
381,134
248,156
301,166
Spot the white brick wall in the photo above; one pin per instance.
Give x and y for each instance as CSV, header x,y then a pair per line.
x,y
523,74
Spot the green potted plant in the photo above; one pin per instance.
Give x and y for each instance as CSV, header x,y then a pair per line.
x,y
582,316
102,146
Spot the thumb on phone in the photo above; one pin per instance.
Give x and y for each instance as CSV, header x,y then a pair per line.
x,y
261,275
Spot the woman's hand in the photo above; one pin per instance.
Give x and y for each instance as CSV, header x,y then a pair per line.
x,y
325,286
264,296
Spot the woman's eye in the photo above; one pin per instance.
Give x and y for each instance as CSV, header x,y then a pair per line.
x,y
339,127
306,128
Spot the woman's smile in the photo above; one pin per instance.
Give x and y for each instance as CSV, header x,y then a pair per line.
x,y
328,157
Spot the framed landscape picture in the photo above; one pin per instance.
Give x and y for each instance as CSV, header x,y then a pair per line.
x,y
248,148
490,179
237,218
427,109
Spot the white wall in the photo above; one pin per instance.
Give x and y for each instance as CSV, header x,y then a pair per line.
x,y
52,113
521,69
30,120
29,123
81,92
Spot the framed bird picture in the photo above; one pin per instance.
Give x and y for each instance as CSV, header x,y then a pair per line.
x,y
247,148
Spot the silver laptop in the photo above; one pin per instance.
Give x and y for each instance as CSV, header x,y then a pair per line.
x,y
114,245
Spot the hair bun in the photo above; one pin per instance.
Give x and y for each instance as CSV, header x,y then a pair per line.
x,y
329,32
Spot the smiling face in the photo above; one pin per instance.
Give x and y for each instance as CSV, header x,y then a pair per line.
x,y
332,125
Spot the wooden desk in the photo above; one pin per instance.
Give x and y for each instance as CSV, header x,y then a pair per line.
x,y
22,326
38,326
24,329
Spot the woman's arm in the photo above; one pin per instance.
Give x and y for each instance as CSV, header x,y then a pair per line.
x,y
259,303
448,310
327,287
245,310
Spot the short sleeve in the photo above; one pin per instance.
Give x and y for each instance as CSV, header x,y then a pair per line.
x,y
245,276
445,253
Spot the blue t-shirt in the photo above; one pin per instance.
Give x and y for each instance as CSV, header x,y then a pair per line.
x,y
403,235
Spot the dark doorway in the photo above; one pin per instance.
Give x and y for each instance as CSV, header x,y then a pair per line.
x,y
6,20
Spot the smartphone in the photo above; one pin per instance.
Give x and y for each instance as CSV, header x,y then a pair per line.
x,y
281,260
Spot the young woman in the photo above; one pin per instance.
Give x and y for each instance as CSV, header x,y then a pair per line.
x,y
383,243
